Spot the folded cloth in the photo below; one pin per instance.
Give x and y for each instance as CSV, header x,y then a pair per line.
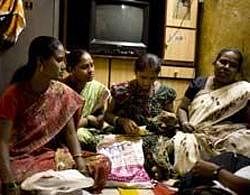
x,y
57,182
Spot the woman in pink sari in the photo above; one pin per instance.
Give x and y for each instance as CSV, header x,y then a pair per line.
x,y
38,115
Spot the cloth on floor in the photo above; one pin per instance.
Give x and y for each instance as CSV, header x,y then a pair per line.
x,y
53,182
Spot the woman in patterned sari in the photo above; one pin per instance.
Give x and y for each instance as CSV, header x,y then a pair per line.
x,y
214,115
37,115
143,101
81,79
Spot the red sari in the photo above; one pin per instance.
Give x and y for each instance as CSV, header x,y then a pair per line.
x,y
37,123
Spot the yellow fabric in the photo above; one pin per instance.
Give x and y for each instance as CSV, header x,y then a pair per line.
x,y
18,22
124,191
128,191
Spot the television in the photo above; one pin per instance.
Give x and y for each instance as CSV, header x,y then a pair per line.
x,y
78,27
119,27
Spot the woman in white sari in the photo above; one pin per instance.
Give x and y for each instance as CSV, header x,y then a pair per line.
x,y
214,115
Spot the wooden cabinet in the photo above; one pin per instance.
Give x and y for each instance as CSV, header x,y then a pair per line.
x,y
180,44
180,30
122,70
102,69
113,69
177,78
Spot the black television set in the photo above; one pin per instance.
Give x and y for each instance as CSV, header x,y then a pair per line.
x,y
79,29
119,27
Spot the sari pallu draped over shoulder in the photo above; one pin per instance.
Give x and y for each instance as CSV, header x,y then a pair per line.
x,y
209,113
213,129
214,106
96,95
44,119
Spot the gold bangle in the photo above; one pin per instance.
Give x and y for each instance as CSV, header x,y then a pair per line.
x,y
77,155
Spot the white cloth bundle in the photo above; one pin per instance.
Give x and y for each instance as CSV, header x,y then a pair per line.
x,y
58,182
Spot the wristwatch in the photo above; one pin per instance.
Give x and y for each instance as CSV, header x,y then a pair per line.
x,y
217,171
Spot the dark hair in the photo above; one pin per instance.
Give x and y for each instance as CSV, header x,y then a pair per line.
x,y
40,47
74,57
236,51
148,60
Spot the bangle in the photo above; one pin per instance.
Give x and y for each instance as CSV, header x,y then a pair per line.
x,y
10,186
216,172
115,119
186,122
77,155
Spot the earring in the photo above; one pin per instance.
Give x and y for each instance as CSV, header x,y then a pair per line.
x,y
41,68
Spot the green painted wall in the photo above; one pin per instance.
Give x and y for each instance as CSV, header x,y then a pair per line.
x,y
224,23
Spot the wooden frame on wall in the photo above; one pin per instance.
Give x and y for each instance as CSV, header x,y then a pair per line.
x,y
181,13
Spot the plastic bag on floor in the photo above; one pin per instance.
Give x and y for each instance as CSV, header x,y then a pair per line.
x,y
127,161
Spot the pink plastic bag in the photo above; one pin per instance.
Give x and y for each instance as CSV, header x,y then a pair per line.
x,y
127,160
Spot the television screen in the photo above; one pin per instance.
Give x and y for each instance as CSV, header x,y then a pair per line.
x,y
119,23
119,27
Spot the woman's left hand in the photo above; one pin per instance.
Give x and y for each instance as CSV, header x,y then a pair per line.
x,y
94,121
82,166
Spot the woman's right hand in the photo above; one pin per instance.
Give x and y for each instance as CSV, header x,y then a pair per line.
x,y
82,166
129,126
204,169
187,127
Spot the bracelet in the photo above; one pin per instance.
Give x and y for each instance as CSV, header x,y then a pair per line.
x,y
10,186
77,155
115,119
216,172
186,122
